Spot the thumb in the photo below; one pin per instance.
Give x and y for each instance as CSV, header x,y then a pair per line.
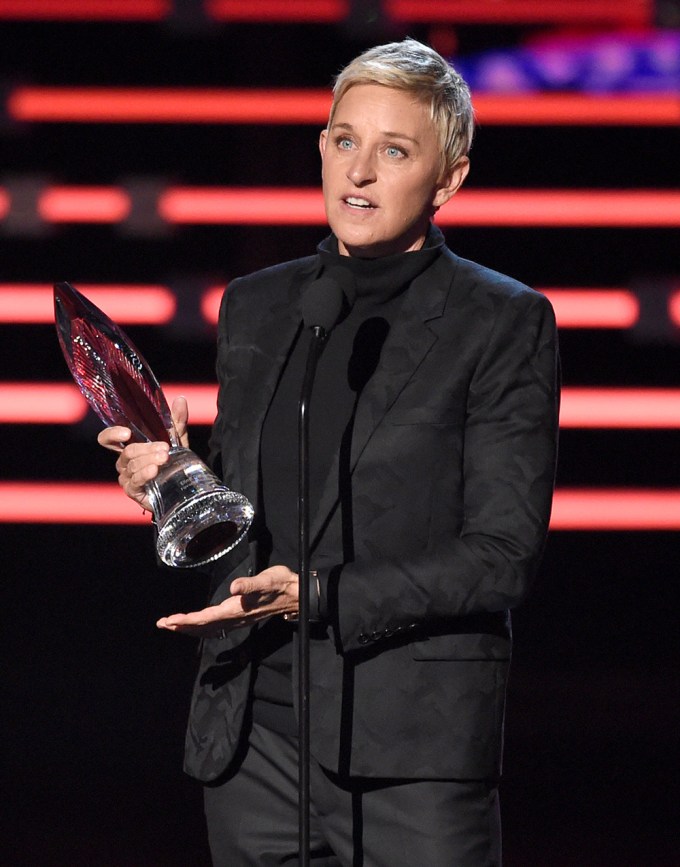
x,y
180,416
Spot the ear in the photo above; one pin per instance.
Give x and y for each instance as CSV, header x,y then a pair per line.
x,y
451,183
323,138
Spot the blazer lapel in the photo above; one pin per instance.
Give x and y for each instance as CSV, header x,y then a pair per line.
x,y
270,350
409,341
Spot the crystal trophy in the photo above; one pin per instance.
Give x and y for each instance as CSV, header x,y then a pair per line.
x,y
198,518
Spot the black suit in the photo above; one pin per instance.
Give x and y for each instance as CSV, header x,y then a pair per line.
x,y
452,463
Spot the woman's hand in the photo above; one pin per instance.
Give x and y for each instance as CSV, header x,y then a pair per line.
x,y
138,463
273,591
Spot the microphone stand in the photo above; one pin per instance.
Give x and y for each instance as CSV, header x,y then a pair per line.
x,y
319,335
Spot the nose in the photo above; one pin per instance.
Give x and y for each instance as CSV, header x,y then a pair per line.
x,y
361,170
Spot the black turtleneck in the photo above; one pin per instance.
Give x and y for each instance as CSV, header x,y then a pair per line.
x,y
347,362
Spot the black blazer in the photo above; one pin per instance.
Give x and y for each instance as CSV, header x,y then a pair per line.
x,y
452,462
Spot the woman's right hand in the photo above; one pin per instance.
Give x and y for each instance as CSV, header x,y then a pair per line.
x,y
138,463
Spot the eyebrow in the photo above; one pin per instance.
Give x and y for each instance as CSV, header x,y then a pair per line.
x,y
386,133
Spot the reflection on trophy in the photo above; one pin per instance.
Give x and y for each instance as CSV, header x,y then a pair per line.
x,y
198,518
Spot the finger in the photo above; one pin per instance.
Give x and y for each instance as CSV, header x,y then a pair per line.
x,y
113,438
229,610
180,417
137,465
135,483
208,631
149,455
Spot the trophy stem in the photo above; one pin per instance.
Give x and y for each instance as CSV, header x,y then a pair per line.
x,y
198,518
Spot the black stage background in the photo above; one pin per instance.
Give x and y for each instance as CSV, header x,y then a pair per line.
x,y
94,698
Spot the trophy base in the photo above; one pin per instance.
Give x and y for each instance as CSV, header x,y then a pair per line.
x,y
199,519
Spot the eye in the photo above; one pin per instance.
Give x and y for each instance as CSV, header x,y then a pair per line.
x,y
344,143
394,151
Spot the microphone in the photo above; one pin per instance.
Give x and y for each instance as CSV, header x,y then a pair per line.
x,y
324,299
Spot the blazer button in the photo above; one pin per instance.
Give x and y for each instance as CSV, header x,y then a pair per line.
x,y
364,639
375,636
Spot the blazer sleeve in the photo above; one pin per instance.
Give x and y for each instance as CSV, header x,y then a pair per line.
x,y
508,469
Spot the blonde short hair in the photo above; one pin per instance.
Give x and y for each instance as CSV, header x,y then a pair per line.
x,y
416,68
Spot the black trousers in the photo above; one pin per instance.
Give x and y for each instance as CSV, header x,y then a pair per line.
x,y
252,816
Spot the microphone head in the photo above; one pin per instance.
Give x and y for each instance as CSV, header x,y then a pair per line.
x,y
323,299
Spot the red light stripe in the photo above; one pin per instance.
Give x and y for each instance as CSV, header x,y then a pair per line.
x,y
273,206
576,109
163,105
67,503
574,307
277,10
620,408
84,205
562,208
5,203
521,11
281,206
27,303
594,308
35,403
62,403
210,304
616,509
85,10
636,12
674,308
24,303
643,408
175,105
201,398
103,503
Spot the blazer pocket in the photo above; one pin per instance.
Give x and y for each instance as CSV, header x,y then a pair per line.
x,y
464,645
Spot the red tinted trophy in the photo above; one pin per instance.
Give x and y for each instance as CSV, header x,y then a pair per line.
x,y
198,518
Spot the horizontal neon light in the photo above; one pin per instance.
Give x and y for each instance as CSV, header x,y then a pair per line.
x,y
163,105
594,308
24,303
574,308
175,105
62,403
458,11
5,203
85,10
566,109
563,208
210,304
674,308
616,509
67,503
84,205
247,206
620,408
36,403
104,503
521,11
304,206
277,10
31,303
643,408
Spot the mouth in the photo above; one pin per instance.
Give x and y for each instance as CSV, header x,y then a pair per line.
x,y
358,203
